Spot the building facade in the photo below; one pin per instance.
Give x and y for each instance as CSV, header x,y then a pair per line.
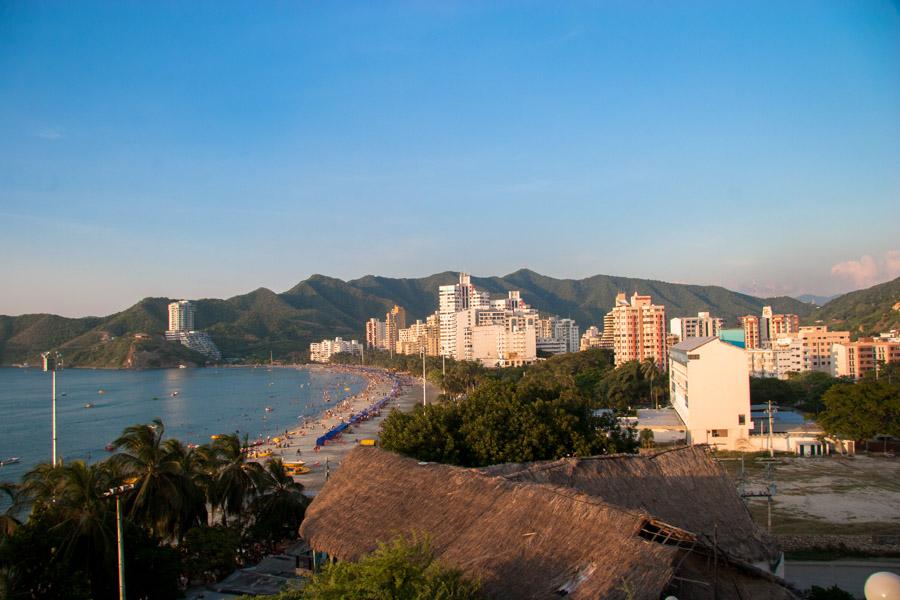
x,y
394,321
322,352
710,391
375,334
639,330
702,325
181,316
591,338
866,355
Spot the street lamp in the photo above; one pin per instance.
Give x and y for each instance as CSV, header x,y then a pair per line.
x,y
117,493
423,374
52,362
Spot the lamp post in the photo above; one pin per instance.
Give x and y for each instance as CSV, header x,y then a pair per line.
x,y
423,374
52,362
117,493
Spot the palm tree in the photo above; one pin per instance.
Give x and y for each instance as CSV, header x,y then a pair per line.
x,y
71,495
280,506
8,520
236,478
160,497
649,371
69,499
194,481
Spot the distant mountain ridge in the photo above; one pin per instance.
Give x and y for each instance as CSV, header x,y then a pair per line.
x,y
815,299
253,324
863,312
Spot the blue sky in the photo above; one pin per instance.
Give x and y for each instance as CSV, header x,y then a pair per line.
x,y
207,149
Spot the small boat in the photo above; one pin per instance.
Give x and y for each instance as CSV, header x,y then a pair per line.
x,y
182,366
63,395
101,392
173,394
110,447
89,405
10,461
214,436
269,409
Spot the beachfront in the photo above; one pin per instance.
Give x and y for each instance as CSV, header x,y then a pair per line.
x,y
300,444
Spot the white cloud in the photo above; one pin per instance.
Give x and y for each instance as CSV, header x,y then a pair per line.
x,y
49,133
867,271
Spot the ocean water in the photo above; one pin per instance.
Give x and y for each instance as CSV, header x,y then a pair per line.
x,y
192,403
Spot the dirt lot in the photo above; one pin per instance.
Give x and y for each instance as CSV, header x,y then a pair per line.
x,y
857,495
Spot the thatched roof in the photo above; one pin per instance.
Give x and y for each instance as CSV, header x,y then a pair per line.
x,y
522,540
683,487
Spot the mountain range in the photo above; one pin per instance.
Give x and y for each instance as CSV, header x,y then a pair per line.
x,y
252,325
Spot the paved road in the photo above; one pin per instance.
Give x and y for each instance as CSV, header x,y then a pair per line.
x,y
849,575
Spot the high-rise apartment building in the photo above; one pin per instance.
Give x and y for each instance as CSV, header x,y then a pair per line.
x,y
556,336
394,321
607,337
808,349
375,334
453,299
504,338
856,359
181,329
751,331
639,330
760,332
702,325
590,339
181,316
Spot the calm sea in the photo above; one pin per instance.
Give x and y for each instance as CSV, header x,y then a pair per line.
x,y
192,403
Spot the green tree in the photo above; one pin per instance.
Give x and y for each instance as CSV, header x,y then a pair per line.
x,y
235,483
280,506
862,410
210,553
400,570
9,520
164,499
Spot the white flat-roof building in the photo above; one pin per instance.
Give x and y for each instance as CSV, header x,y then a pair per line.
x,y
322,351
702,325
710,391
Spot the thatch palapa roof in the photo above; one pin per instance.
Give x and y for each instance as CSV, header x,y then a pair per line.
x,y
522,540
683,487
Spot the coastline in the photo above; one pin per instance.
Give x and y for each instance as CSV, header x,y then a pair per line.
x,y
300,442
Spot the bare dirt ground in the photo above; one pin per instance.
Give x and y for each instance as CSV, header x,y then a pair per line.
x,y
856,495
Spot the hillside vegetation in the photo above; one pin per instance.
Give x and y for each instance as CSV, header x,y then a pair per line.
x,y
863,312
251,325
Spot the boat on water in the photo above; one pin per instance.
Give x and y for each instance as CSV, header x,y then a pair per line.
x,y
182,366
101,392
269,409
110,447
10,461
173,394
89,405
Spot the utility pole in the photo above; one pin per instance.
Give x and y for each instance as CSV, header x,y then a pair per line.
x,y
771,414
117,493
52,362
423,375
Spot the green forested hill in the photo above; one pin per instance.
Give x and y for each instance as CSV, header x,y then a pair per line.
x,y
251,325
863,312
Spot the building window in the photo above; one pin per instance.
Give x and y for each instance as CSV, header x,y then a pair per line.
x,y
719,433
742,419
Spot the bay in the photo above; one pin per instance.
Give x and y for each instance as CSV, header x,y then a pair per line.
x,y
192,403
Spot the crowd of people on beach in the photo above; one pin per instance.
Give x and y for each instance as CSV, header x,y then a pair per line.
x,y
379,384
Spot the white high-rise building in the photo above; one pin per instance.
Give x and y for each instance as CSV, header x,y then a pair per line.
x,y
702,325
453,299
181,316
181,329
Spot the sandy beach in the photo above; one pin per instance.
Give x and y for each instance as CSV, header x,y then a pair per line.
x,y
300,442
